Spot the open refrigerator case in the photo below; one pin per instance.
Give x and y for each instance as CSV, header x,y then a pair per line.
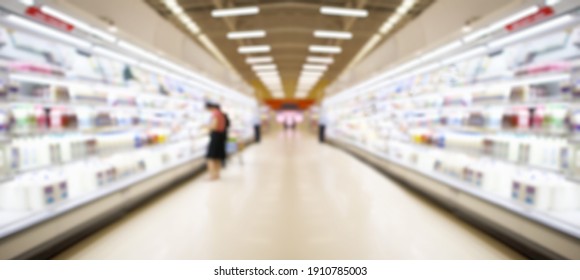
x,y
76,126
502,125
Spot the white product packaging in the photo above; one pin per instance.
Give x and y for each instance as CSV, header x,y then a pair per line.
x,y
41,191
14,196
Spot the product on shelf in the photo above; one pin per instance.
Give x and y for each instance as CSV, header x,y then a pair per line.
x,y
504,125
74,125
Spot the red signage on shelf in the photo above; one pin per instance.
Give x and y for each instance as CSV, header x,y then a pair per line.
x,y
37,13
541,14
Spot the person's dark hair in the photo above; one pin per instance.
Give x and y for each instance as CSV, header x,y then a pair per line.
x,y
209,105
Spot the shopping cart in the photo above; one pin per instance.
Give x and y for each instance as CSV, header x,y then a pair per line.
x,y
235,148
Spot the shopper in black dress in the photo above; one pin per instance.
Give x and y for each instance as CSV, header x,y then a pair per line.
x,y
216,151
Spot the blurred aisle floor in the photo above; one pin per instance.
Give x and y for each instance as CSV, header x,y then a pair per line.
x,y
292,199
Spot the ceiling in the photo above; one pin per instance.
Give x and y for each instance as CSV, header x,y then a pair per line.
x,y
289,26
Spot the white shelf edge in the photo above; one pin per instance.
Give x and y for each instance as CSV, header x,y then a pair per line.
x,y
530,214
58,210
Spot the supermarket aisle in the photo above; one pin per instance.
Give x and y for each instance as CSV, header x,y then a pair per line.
x,y
293,199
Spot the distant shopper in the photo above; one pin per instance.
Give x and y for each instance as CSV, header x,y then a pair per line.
x,y
257,127
322,127
226,137
216,151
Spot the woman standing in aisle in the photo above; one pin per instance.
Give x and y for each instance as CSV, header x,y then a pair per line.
x,y
216,151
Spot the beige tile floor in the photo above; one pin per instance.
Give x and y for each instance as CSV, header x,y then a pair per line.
x,y
292,199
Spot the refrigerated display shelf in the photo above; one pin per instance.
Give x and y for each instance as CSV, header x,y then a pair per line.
x,y
566,222
23,221
61,165
480,155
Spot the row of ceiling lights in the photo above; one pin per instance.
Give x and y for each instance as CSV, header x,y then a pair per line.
x,y
315,66
384,30
264,66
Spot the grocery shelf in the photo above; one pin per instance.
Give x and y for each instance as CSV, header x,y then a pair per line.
x,y
82,142
567,224
33,219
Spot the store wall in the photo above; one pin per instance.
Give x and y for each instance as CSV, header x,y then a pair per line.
x,y
442,20
136,20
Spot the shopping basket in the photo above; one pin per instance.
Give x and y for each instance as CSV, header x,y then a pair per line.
x,y
234,148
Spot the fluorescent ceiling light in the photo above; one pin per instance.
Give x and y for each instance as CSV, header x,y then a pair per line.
x,y
501,24
259,72
332,34
315,67
447,48
264,67
320,59
311,72
43,30
308,81
255,49
269,77
386,27
235,12
267,73
325,49
272,82
173,6
335,11
79,24
192,26
247,34
405,7
552,2
532,31
113,55
260,59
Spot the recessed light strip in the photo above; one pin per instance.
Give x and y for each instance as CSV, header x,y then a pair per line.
x,y
336,11
259,59
325,49
254,49
264,67
246,34
245,11
315,67
320,59
327,34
